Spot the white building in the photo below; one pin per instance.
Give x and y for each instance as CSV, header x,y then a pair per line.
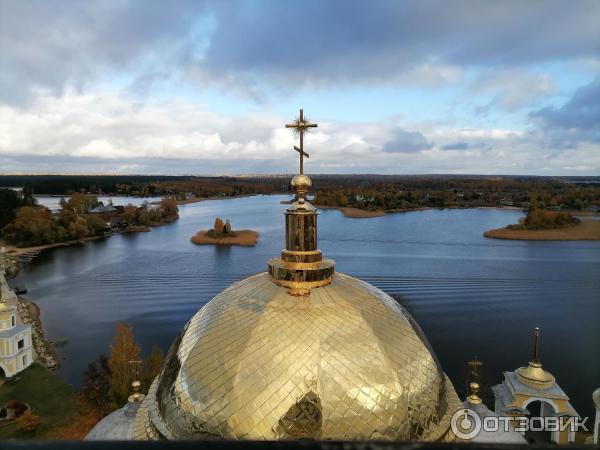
x,y
16,351
533,392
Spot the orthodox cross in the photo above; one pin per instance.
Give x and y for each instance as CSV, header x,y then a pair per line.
x,y
475,364
301,125
136,368
536,345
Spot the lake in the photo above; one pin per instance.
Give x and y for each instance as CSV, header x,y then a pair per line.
x,y
471,295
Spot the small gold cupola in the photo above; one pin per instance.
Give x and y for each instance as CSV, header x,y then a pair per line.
x,y
301,266
534,375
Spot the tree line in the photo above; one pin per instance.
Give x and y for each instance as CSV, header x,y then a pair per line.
x,y
24,224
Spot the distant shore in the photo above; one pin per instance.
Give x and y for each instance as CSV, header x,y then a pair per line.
x,y
357,213
586,230
214,197
244,238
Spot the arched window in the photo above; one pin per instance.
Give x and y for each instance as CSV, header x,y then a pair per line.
x,y
12,320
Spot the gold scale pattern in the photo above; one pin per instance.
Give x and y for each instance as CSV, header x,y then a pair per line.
x,y
345,362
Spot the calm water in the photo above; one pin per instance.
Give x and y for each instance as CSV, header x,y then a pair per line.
x,y
471,295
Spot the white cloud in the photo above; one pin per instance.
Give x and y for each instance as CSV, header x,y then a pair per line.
x,y
108,132
515,88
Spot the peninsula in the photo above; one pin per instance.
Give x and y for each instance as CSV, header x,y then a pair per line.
x,y
222,234
27,228
543,225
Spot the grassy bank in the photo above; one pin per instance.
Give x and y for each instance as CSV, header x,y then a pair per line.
x,y
49,397
586,230
245,238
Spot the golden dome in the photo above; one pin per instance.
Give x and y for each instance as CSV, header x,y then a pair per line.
x,y
300,352
345,362
535,376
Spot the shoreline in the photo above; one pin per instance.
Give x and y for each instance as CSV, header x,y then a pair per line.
x,y
587,230
34,250
46,354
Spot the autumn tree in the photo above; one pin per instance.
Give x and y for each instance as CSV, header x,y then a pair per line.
x,y
95,223
218,227
142,216
78,228
169,207
33,226
129,214
81,203
96,386
28,422
153,365
123,350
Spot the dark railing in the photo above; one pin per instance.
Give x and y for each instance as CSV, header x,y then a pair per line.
x,y
263,445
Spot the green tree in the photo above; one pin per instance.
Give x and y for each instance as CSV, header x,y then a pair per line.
x,y
9,202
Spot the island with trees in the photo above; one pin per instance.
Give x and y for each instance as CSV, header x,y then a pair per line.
x,y
545,225
222,234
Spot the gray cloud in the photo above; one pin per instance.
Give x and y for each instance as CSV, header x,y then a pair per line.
x,y
351,41
582,111
456,146
578,120
403,141
51,45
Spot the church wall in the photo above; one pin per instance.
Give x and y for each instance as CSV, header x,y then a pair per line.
x,y
5,347
6,320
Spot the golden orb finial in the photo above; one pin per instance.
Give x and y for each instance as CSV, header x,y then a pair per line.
x,y
301,184
137,396
474,387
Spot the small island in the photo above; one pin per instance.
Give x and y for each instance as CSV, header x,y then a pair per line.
x,y
544,225
222,234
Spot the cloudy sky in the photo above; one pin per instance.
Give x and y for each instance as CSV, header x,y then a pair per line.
x,y
205,87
